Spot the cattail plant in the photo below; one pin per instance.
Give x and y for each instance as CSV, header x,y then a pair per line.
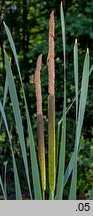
x,y
37,189
51,107
40,127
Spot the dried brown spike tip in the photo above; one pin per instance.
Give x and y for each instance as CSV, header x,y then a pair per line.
x,y
50,59
38,84
51,24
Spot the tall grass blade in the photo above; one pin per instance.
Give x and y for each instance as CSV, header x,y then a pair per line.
x,y
5,97
82,105
34,163
5,170
69,168
57,142
91,195
17,115
12,46
74,100
2,187
76,74
16,178
73,187
70,165
61,167
63,34
5,92
72,194
83,97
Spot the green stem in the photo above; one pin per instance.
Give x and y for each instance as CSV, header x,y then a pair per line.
x,y
43,195
51,195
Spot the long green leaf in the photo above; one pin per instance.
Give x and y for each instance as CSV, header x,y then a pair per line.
x,y
2,187
71,162
74,100
16,178
83,97
91,195
17,115
61,167
76,74
5,92
73,187
82,105
5,97
57,142
34,163
35,170
72,194
63,34
12,47
5,170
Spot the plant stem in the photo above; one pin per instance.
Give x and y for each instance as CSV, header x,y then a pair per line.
x,y
51,195
43,195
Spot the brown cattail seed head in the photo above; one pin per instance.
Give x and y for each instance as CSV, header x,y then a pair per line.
x,y
41,150
51,141
38,85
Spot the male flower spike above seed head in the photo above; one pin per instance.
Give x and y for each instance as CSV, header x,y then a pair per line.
x,y
50,59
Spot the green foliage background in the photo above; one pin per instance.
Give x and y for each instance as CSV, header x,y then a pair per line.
x,y
28,23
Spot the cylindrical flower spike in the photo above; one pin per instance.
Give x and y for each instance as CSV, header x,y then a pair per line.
x,y
38,85
41,150
40,126
51,108
50,59
51,141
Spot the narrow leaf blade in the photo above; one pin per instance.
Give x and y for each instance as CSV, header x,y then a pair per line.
x,y
16,178
34,163
17,115
82,105
61,167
